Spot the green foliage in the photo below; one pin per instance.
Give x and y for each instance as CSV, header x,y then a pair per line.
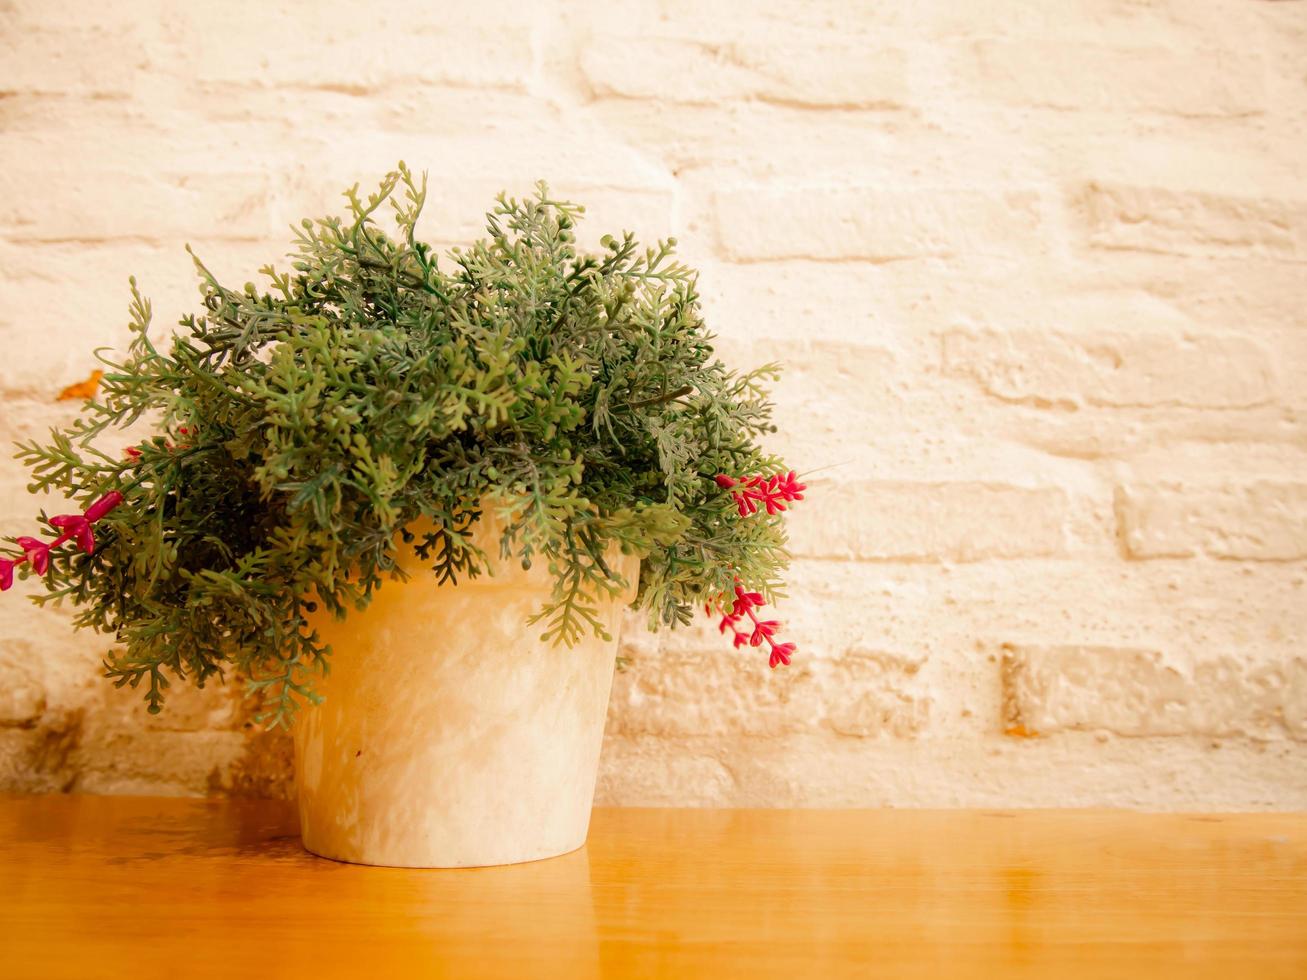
x,y
303,425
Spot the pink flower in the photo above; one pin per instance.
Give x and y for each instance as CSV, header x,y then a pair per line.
x,y
36,553
780,654
763,631
772,492
71,527
102,506
78,528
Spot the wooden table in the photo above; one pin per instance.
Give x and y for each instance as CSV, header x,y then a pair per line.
x,y
118,887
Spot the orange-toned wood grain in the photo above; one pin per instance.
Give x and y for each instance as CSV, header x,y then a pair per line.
x,y
115,886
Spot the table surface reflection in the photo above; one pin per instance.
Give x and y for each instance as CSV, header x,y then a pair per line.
x,y
144,887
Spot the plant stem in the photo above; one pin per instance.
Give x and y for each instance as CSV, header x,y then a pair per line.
x,y
670,396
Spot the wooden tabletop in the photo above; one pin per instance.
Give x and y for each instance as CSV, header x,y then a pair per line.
x,y
120,886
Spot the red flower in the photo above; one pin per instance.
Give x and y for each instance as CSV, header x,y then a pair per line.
x,y
772,492
36,553
71,527
102,506
780,654
77,527
764,630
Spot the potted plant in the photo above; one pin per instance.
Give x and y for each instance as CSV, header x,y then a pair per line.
x,y
406,498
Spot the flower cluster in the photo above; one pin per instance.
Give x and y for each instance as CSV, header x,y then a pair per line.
x,y
771,494
763,629
75,527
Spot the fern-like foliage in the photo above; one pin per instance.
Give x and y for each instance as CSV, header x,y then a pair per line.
x,y
304,425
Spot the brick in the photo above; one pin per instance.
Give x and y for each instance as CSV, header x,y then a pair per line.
x,y
1258,520
763,18
712,689
873,224
821,382
1080,75
56,55
1109,434
1076,769
41,759
168,763
330,50
21,701
1219,26
963,521
216,707
734,144
643,772
743,302
1258,295
1114,369
1184,222
1143,692
151,206
942,608
1284,35
890,698
826,74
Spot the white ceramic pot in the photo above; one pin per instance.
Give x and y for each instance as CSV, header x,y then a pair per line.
x,y
451,735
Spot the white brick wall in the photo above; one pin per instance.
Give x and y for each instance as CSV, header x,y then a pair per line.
x,y
1039,272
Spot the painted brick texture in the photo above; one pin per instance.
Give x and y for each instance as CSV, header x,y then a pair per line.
x,y
1036,272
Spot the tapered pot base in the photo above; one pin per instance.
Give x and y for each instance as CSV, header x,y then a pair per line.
x,y
450,735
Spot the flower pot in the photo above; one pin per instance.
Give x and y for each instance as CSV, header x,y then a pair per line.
x,y
451,735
